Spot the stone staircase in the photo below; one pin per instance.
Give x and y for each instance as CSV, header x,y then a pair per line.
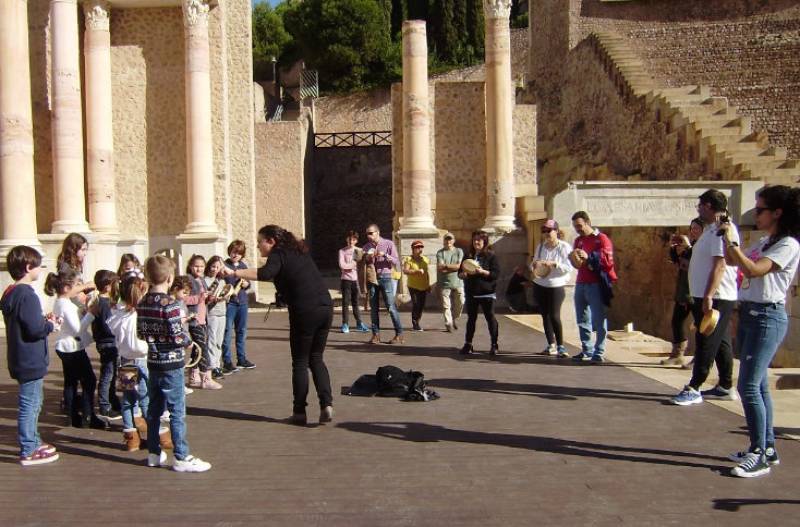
x,y
705,128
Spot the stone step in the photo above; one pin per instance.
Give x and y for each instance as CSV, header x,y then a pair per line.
x,y
701,90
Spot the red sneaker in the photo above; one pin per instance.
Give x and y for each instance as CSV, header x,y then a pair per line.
x,y
39,457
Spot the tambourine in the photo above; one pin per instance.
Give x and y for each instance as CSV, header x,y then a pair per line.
x,y
541,269
576,260
471,266
194,356
358,253
709,322
231,291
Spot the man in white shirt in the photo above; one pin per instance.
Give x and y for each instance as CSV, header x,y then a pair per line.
x,y
712,285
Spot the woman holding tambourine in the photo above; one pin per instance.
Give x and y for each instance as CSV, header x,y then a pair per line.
x,y
480,272
551,269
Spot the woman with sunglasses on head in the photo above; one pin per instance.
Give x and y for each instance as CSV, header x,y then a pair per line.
x,y
551,269
769,267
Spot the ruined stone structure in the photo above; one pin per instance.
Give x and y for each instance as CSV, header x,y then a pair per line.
x,y
132,120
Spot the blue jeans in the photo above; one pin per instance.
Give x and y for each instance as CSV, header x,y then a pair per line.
x,y
384,288
130,398
235,316
590,312
107,384
762,328
31,395
166,389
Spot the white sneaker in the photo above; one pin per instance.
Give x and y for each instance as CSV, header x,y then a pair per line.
x,y
190,464
187,390
159,460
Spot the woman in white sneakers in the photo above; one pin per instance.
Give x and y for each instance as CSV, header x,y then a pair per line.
x,y
551,269
769,267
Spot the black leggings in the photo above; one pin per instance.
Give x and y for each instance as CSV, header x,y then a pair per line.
x,y
199,334
487,305
78,370
417,303
680,312
350,297
550,300
308,333
715,347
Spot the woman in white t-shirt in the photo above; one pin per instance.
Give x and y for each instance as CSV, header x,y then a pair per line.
x,y
769,267
551,268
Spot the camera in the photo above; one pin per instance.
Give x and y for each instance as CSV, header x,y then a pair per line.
x,y
723,223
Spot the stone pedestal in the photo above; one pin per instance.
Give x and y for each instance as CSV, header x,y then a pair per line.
x,y
206,245
17,192
499,129
67,119
99,128
417,219
199,144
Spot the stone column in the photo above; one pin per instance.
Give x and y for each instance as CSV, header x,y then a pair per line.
x,y
199,144
499,105
416,130
17,192
67,119
99,128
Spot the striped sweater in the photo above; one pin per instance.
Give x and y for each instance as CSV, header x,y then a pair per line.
x,y
159,324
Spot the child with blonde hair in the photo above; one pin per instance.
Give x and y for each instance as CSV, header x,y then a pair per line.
x,y
196,304
215,316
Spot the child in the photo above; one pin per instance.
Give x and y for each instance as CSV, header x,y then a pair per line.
x,y
107,398
179,290
215,317
71,349
159,324
26,343
196,303
71,258
236,312
129,264
132,353
348,263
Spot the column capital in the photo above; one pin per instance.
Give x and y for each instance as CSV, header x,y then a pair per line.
x,y
195,13
97,14
497,8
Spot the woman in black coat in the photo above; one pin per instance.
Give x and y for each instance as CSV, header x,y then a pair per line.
x,y
296,276
480,290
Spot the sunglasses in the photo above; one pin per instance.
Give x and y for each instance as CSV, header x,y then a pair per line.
x,y
759,210
546,231
369,233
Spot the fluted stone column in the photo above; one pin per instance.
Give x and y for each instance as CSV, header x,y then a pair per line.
x,y
499,132
199,144
67,119
99,127
17,193
416,131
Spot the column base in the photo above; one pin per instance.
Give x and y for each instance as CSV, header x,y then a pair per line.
x,y
206,244
9,243
68,226
499,224
199,228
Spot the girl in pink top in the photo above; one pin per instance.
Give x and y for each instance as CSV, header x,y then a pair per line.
x,y
349,256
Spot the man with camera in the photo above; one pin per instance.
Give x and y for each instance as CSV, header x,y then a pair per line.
x,y
713,287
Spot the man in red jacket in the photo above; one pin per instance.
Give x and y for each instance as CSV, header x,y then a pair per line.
x,y
594,259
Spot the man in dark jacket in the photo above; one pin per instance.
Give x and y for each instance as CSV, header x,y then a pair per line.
x,y
26,337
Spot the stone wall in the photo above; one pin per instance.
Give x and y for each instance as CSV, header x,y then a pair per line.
x,y
352,187
746,51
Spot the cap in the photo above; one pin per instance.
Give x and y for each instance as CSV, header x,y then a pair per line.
x,y
449,235
417,243
550,224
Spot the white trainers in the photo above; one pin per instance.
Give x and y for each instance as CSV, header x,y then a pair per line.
x,y
190,464
159,460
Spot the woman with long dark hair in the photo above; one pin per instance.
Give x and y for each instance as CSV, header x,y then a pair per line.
x,y
769,267
310,313
480,285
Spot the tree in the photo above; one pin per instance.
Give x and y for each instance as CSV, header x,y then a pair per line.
x,y
270,39
347,41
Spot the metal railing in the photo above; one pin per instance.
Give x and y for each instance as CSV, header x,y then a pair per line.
x,y
352,139
309,84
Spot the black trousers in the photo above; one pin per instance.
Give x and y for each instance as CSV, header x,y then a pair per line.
x,y
199,334
308,334
78,370
487,305
715,347
418,297
549,300
680,312
350,297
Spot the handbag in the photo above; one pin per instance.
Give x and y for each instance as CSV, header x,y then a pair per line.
x,y
128,379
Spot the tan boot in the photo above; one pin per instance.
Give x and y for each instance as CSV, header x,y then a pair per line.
x,y
194,378
132,440
165,438
676,356
208,383
141,426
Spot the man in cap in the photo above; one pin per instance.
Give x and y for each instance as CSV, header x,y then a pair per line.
x,y
450,286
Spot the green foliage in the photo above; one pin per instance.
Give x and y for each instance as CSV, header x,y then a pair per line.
x,y
270,39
